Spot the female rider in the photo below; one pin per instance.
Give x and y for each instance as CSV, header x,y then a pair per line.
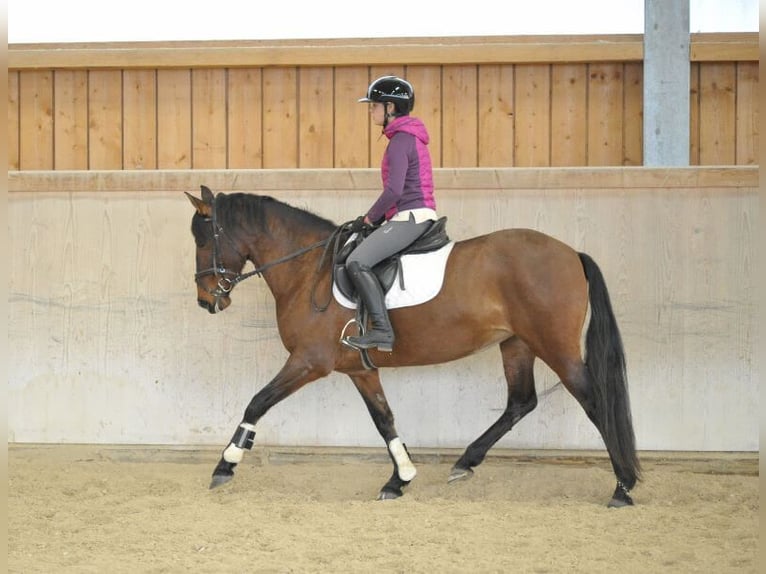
x,y
406,206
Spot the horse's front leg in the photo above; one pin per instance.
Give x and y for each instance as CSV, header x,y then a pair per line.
x,y
368,385
295,374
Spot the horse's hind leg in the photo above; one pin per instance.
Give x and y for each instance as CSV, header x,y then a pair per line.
x,y
368,385
580,383
518,364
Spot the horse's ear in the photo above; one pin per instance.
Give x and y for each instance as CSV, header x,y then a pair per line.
x,y
202,206
207,195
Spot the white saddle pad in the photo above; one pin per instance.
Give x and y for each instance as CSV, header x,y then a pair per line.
x,y
423,279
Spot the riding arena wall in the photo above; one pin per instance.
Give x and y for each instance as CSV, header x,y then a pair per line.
x,y
109,346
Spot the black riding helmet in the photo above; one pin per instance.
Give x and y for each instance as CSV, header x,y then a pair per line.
x,y
392,89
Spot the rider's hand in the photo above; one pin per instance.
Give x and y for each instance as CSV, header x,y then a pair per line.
x,y
358,224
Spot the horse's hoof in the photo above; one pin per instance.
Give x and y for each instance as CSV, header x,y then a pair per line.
x,y
389,495
620,502
620,497
220,479
459,474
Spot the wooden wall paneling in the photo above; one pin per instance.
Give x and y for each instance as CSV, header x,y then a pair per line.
x,y
747,136
569,123
460,113
140,110
533,115
427,82
605,114
694,114
496,123
280,118
718,110
378,141
71,130
633,114
13,120
352,128
105,119
209,135
36,120
70,119
316,108
174,119
245,118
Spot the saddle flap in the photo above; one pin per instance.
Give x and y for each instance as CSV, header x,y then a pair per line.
x,y
423,274
386,272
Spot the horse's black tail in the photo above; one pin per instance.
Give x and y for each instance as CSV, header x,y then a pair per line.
x,y
605,360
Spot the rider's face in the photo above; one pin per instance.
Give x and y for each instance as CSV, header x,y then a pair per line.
x,y
378,111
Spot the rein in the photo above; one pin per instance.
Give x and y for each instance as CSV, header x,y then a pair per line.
x,y
228,279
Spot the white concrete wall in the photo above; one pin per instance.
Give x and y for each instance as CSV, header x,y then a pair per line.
x,y
107,344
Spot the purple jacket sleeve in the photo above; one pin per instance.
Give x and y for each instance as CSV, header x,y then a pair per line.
x,y
397,162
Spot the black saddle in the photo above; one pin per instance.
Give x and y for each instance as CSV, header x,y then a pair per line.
x,y
435,237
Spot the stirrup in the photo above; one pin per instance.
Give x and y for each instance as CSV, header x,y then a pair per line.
x,y
359,342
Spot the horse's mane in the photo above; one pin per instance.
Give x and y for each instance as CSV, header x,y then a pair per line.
x,y
249,209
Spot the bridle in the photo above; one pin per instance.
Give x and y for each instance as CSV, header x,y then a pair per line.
x,y
228,279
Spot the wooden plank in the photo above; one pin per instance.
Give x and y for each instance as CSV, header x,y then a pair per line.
x,y
70,128
371,51
533,115
140,109
495,145
315,117
280,118
605,114
13,120
328,52
245,118
208,119
569,97
174,119
746,150
105,119
633,115
459,116
427,82
352,128
447,179
36,120
694,114
724,47
718,110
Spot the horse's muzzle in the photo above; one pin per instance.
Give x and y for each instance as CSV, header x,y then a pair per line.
x,y
216,305
209,307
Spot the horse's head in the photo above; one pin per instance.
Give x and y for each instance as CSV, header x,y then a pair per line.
x,y
219,261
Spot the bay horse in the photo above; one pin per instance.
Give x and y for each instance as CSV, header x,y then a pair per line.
x,y
520,289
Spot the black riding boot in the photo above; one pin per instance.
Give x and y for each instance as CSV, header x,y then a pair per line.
x,y
381,334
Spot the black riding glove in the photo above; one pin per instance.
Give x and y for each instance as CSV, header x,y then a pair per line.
x,y
357,225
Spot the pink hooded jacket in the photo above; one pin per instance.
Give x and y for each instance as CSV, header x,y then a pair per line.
x,y
405,169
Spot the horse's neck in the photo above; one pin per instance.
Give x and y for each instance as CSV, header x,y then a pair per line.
x,y
289,276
